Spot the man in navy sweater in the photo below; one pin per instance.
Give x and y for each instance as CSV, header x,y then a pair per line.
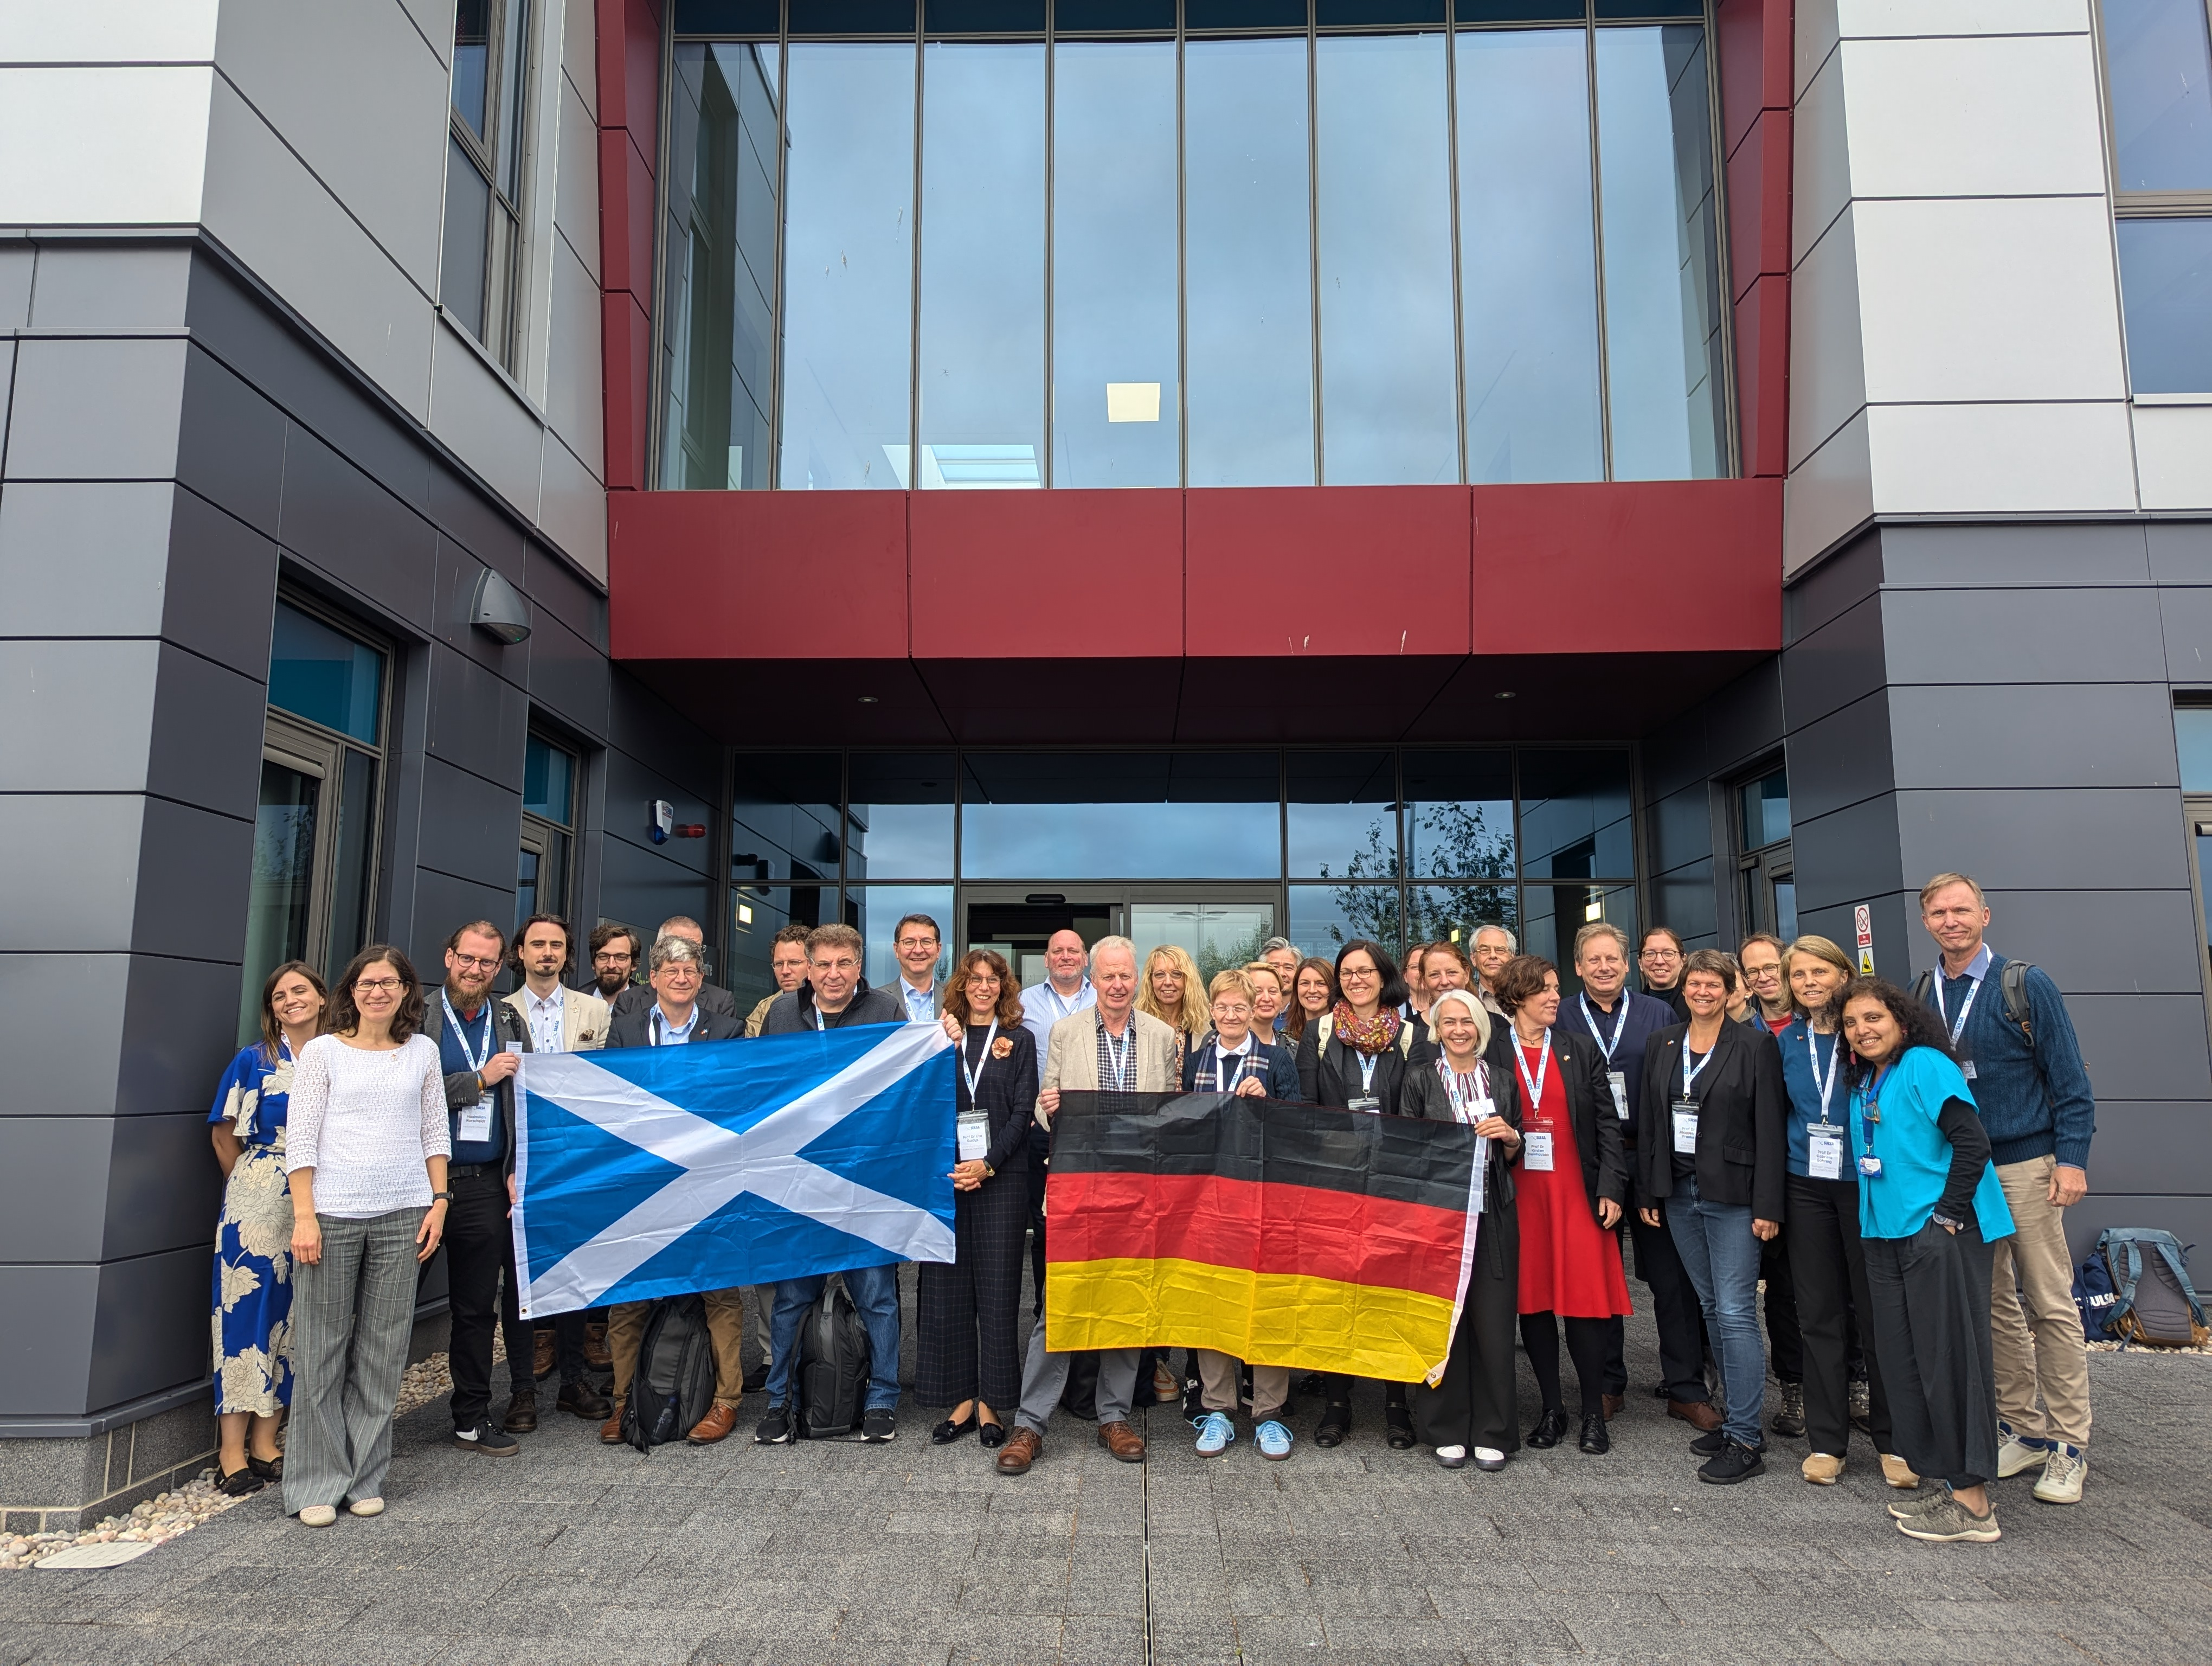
x,y
2035,1102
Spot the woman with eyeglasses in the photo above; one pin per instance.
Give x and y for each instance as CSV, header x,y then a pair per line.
x,y
1313,992
1660,961
367,1154
1172,991
1268,998
1357,1056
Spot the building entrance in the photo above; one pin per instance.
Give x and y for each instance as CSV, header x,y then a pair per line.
x,y
1220,926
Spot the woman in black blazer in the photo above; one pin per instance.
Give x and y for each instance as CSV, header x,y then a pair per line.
x,y
1471,1409
1713,1145
969,1313
1357,1055
1572,1191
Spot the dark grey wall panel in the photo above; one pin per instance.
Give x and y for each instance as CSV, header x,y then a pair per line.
x,y
90,409
1681,828
1684,900
48,1319
1831,589
631,789
2144,1047
477,722
486,532
84,558
1846,855
180,1017
444,904
2186,619
53,1186
2103,942
663,740
1896,924
2189,1218
206,747
554,585
569,678
222,583
454,589
231,451
343,524
78,714
470,829
2141,1145
16,261
2026,735
2089,839
164,1186
2180,552
150,1331
1841,759
638,887
1840,663
80,892
109,287
2013,554
194,868
2049,636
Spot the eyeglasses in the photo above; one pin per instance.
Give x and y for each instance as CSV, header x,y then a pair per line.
x,y
917,942
608,957
1362,974
376,986
475,962
1661,954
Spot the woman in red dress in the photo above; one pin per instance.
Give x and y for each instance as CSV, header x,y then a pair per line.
x,y
1572,1186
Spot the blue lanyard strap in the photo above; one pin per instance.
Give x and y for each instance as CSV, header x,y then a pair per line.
x,y
1619,1024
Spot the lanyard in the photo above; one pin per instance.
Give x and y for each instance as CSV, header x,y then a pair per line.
x,y
976,1074
1065,1006
1122,1059
1619,1024
1465,1092
1223,1081
1966,1006
1828,1085
1690,1075
461,1034
1367,1062
1543,1069
1870,1108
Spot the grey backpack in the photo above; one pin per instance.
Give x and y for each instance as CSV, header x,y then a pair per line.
x,y
2153,1301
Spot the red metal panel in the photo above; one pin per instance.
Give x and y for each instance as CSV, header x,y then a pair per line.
x,y
1049,573
1762,369
765,575
1759,202
1680,566
625,358
1331,570
626,198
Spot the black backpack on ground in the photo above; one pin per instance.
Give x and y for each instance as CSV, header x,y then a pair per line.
x,y
831,1386
673,1386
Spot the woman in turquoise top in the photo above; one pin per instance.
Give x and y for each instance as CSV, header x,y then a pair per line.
x,y
252,1294
1929,1209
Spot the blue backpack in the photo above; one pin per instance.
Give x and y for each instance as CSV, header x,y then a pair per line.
x,y
2152,1299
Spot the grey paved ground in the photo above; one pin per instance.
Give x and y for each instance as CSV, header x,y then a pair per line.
x,y
879,1556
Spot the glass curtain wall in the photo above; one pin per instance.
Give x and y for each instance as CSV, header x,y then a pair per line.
x,y
1277,248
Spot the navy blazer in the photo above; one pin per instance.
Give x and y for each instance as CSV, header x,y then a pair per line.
x,y
1269,1062
1743,1131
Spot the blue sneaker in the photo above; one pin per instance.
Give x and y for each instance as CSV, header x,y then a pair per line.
x,y
1273,1440
1217,1436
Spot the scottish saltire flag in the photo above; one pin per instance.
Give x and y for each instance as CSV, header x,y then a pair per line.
x,y
649,1172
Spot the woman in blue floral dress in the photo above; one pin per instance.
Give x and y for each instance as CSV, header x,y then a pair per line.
x,y
253,1292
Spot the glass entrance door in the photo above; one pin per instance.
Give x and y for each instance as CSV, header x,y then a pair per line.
x,y
1220,926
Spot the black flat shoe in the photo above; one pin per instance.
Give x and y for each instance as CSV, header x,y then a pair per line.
x,y
1549,1429
1594,1440
948,1432
1335,1424
238,1482
992,1436
267,1469
1398,1428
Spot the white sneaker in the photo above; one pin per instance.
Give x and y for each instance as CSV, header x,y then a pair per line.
x,y
2017,1456
318,1515
1490,1458
2063,1472
366,1506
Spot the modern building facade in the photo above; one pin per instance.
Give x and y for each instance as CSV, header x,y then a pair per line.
x,y
1203,468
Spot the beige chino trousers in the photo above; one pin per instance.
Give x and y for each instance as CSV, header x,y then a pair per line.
x,y
2040,1349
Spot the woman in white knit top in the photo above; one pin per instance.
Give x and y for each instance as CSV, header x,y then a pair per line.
x,y
366,1149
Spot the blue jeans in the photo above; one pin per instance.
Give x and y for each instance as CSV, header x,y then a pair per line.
x,y
875,1292
1720,1252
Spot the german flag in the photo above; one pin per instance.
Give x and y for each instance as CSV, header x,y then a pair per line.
x,y
1280,1234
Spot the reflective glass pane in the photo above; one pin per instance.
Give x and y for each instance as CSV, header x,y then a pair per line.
x,y
851,17
1664,310
1116,405
876,910
757,913
2166,293
472,61
2159,65
1527,257
549,781
283,883
1765,810
900,821
1388,396
982,265
1119,815
1343,822
982,17
718,323
514,48
1785,909
1218,936
727,16
525,885
1248,283
1324,918
1574,816
1459,814
1453,914
464,263
784,817
2192,729
324,675
353,873
848,266
1556,912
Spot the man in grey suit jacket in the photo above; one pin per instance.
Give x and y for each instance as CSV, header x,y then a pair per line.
x,y
1113,1047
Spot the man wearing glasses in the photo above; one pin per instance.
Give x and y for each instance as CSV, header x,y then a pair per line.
x,y
1661,963
480,1041
713,998
615,952
915,940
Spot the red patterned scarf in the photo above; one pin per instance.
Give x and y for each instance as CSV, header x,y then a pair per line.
x,y
1369,1035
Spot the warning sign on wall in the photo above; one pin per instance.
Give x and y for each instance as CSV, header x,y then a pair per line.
x,y
1862,918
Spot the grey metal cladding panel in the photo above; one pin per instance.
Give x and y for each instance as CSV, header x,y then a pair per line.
x,y
1846,855
631,789
569,678
103,285
194,870
1685,901
231,451
637,885
1842,758
1896,921
458,573
1833,588
50,1315
554,585
2026,735
150,1327
79,714
443,902
85,558
2103,942
2180,552
478,721
2143,1047
1840,662
340,521
208,726
222,586
7,389
2011,555
487,532
661,739
471,830
16,261
96,409
164,1188
2186,618
68,1059
1681,828
2152,1146
53,1186
180,1025
71,871
2050,635
1717,735
2075,838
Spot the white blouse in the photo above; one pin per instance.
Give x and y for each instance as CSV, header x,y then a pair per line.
x,y
366,1122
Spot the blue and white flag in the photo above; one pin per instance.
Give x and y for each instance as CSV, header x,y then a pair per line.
x,y
649,1172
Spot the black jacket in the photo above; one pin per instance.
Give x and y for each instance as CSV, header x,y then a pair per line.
x,y
1331,1077
1743,1140
635,1027
510,1034
713,998
1007,1092
790,1014
1425,1096
1273,1064
1590,1116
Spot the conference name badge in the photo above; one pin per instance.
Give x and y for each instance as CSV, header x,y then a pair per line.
x,y
1536,1149
1618,1080
1824,1152
974,1134
476,1121
1686,1127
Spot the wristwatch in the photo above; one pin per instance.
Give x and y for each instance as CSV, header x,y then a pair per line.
x,y
1946,1222
990,1173
441,1197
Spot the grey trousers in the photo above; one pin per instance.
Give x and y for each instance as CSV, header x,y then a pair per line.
x,y
352,1313
1044,1379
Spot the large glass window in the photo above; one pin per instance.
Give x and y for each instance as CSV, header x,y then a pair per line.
x,y
2157,68
899,824
1342,815
1121,816
550,776
480,282
1459,813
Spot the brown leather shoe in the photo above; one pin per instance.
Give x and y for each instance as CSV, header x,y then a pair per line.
x,y
521,1417
595,1348
611,1431
1697,1414
1024,1447
1124,1442
541,1355
718,1422
1613,1402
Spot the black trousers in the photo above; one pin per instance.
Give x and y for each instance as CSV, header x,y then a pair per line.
x,y
1827,1264
1930,1296
1587,1343
1474,1404
1038,1169
1674,1308
480,1287
1785,1346
969,1332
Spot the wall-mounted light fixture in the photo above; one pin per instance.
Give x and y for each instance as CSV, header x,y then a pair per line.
x,y
499,609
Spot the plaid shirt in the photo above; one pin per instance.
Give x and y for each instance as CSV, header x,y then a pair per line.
x,y
1124,1079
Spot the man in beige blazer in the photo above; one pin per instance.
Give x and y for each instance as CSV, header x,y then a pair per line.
x,y
1110,1046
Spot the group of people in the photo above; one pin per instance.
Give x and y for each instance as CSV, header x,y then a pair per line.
x,y
1893,1169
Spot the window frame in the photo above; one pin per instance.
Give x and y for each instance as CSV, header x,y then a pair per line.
x,y
1759,868
505,298
544,837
